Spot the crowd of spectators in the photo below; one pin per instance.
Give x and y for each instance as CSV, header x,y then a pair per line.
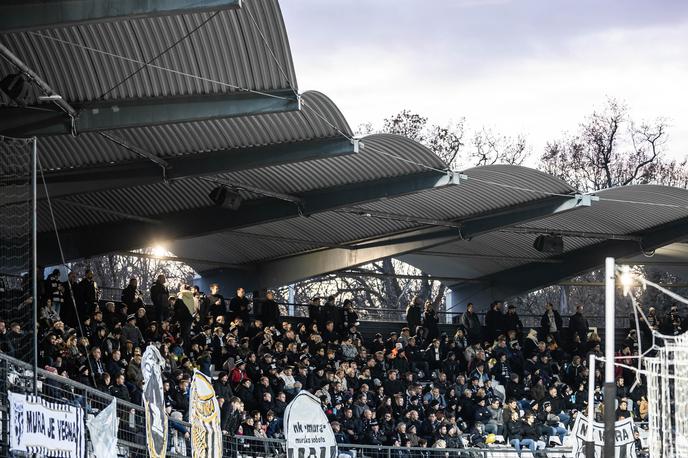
x,y
414,387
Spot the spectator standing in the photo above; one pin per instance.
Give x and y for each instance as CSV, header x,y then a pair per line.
x,y
160,298
414,314
239,306
578,325
131,296
430,320
471,324
314,309
551,322
71,301
494,321
270,312
512,322
218,306
183,315
88,293
55,290
350,317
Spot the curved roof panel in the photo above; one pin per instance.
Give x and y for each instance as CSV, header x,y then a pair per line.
x,y
483,191
86,62
623,210
151,200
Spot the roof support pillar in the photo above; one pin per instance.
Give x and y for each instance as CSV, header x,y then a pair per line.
x,y
165,110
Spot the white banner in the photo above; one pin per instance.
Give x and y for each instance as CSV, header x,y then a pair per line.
x,y
46,428
624,443
102,430
154,402
306,429
204,416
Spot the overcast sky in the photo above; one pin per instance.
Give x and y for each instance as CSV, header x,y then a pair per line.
x,y
519,67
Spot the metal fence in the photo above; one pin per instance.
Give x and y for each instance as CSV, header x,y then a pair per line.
x,y
389,315
17,376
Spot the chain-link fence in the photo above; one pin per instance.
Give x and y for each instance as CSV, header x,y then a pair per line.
x,y
16,245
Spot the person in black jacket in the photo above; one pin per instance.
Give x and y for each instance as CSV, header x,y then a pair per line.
x,y
530,436
551,322
578,325
88,294
512,322
239,306
68,313
131,296
230,414
414,313
217,307
270,312
494,321
55,290
513,429
471,325
430,321
119,389
184,317
160,298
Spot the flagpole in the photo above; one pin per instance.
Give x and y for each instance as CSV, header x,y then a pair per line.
x,y
609,385
34,261
590,445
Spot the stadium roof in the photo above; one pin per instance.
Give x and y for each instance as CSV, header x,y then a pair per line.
x,y
171,104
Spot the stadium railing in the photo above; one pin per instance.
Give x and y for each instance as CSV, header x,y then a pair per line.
x,y
17,376
390,315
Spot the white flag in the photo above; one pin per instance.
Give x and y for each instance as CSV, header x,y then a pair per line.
x,y
103,430
154,402
307,430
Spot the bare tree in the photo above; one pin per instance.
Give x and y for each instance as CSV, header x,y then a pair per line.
x,y
115,270
489,148
610,149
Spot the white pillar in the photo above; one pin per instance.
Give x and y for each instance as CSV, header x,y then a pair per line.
x,y
590,447
290,299
609,330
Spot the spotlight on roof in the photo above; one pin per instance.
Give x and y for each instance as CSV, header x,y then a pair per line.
x,y
225,198
16,88
549,244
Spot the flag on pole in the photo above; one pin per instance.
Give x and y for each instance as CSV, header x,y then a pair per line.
x,y
103,431
204,415
154,402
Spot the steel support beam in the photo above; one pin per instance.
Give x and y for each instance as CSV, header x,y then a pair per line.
x,y
284,271
16,15
521,279
125,235
150,112
287,270
474,227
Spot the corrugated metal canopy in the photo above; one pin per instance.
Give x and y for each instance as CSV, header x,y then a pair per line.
x,y
161,198
393,193
452,203
87,62
623,211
